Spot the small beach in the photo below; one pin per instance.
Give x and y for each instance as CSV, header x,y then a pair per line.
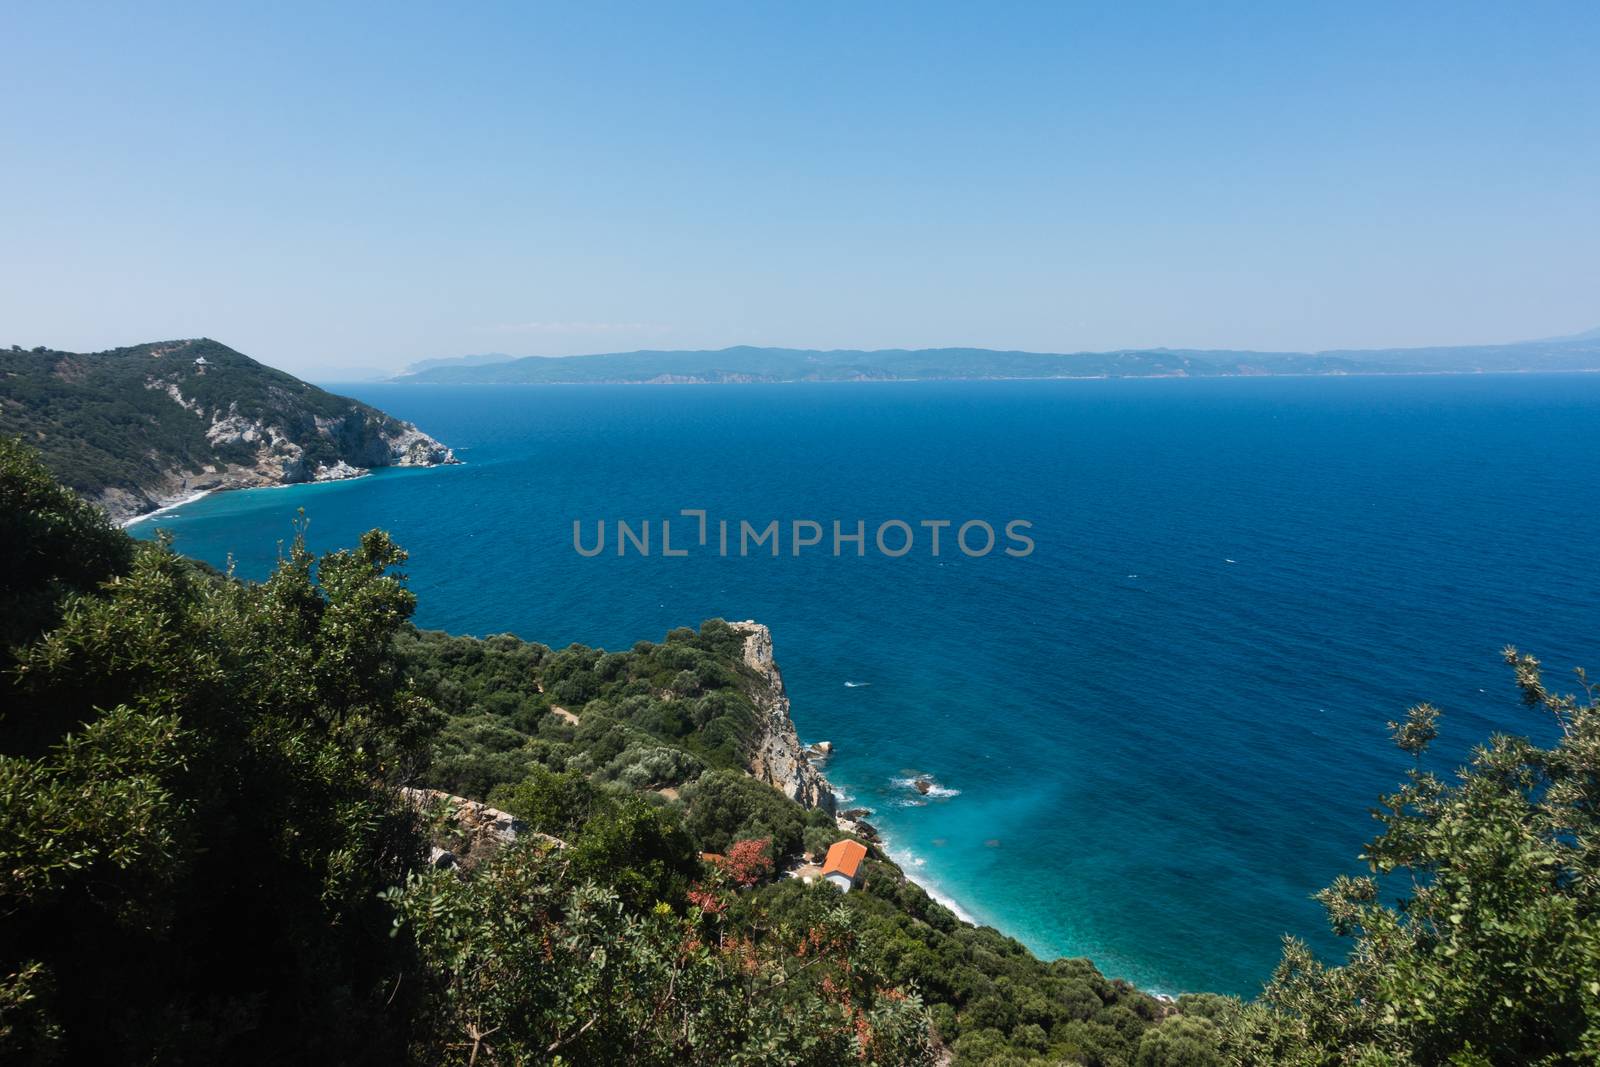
x,y
166,508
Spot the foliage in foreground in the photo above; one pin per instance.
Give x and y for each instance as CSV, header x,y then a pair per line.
x,y
526,962
1492,953
194,813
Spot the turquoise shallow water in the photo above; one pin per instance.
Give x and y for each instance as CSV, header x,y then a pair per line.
x,y
1161,731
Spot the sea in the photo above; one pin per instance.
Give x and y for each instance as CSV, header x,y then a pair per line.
x,y
1151,731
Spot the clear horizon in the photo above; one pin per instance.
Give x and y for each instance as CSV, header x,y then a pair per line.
x,y
336,191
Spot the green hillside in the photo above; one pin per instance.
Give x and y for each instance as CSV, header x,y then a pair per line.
x,y
134,427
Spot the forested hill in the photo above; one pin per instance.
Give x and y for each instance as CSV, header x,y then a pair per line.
x,y
747,364
135,428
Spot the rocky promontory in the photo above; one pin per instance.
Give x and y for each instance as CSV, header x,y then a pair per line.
x,y
135,429
777,757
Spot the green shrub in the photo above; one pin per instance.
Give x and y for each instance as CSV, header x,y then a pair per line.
x,y
726,806
552,803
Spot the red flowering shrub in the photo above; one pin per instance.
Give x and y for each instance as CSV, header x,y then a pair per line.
x,y
707,901
748,862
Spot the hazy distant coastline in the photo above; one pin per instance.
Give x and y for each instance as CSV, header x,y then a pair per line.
x,y
1580,352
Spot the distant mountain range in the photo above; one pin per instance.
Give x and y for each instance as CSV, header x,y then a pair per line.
x,y
1579,352
458,361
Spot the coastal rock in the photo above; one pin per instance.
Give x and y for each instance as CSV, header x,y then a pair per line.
x,y
776,756
364,442
819,752
923,786
231,429
226,423
860,828
466,832
337,472
410,447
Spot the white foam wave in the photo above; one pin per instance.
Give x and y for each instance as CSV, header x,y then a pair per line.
x,y
935,790
909,862
162,510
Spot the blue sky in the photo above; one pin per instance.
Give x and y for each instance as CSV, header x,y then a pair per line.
x,y
361,187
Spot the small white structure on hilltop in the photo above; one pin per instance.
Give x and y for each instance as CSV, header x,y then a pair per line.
x,y
200,365
843,865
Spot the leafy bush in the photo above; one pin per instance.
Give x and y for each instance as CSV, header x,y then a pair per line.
x,y
524,965
638,850
55,545
816,840
195,809
726,806
552,803
1493,953
1180,1041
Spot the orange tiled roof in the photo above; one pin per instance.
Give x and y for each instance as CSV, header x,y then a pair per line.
x,y
844,857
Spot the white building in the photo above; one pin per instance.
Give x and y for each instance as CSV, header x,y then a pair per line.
x,y
843,865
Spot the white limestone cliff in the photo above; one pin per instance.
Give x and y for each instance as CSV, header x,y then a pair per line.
x,y
777,757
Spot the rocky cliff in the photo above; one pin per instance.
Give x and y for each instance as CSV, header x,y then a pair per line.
x,y
777,757
133,429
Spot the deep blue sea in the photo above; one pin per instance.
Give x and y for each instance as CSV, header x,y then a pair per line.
x,y
1160,732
